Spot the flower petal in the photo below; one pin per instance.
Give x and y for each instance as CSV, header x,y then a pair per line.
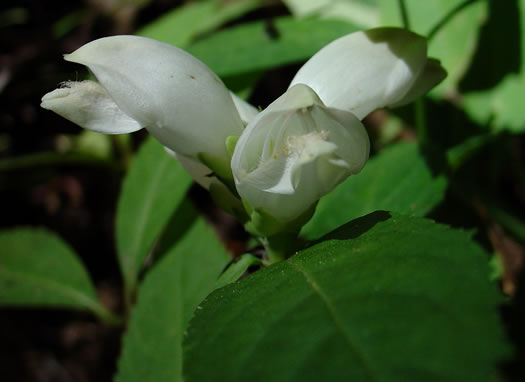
x,y
432,74
88,105
168,91
366,70
246,111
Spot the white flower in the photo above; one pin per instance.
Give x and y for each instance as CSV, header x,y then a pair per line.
x,y
296,151
291,154
310,139
143,83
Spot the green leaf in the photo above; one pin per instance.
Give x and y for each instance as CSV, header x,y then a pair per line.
x,y
501,67
384,298
182,25
360,12
171,291
38,269
151,192
260,45
397,179
237,269
455,42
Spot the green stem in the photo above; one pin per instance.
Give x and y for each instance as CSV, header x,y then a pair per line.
x,y
420,120
419,106
52,159
441,23
280,246
107,317
404,13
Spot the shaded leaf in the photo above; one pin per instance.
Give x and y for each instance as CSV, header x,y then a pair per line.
x,y
152,190
384,298
38,269
260,45
171,291
397,179
500,106
180,26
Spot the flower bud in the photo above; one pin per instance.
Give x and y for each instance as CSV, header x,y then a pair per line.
x,y
367,70
153,85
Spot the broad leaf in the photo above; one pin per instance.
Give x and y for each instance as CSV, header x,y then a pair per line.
x,y
153,188
397,179
38,269
168,296
360,12
180,26
384,298
262,45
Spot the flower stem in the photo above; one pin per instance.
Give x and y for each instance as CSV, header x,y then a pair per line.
x,y
420,120
458,8
280,246
404,13
419,105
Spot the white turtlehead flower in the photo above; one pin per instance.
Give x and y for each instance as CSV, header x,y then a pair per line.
x,y
311,138
289,155
143,83
296,151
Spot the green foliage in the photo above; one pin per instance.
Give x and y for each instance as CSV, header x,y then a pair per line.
x,y
38,269
384,298
397,179
171,291
495,82
260,45
182,25
151,192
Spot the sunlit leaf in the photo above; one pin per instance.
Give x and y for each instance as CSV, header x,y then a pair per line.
x,y
385,298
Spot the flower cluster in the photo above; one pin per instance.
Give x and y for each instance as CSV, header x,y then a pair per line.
x,y
279,161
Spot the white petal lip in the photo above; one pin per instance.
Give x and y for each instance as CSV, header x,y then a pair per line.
x,y
365,70
246,111
168,91
88,105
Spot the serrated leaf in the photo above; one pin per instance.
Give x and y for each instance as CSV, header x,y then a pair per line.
x,y
397,179
384,298
38,269
152,190
180,26
256,46
454,44
171,291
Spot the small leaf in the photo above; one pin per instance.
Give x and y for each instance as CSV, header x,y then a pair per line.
x,y
259,45
38,269
152,190
397,179
237,269
384,298
171,291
